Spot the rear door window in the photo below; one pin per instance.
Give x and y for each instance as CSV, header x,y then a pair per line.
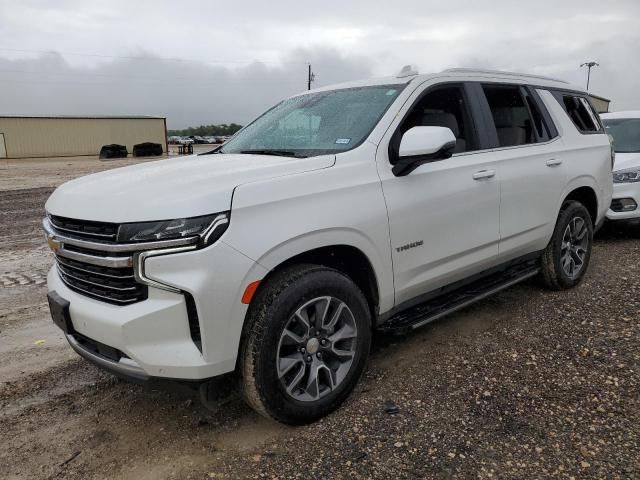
x,y
512,116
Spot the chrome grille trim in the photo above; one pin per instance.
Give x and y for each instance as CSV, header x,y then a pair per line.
x,y
64,273
95,295
51,231
58,227
85,228
113,262
60,261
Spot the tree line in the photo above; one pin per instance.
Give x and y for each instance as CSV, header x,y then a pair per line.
x,y
208,130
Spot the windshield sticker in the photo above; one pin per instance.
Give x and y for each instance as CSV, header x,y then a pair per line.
x,y
391,92
343,141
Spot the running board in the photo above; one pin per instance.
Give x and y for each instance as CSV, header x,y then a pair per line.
x,y
419,315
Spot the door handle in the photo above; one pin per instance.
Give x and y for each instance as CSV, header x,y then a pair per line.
x,y
483,174
553,162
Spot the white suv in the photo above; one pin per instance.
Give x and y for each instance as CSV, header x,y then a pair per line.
x,y
382,204
624,127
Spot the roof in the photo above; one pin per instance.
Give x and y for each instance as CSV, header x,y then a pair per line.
x,y
112,117
621,114
403,78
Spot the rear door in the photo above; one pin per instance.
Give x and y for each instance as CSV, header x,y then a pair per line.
x,y
530,157
443,216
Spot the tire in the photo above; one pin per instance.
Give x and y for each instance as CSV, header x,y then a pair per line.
x,y
271,360
572,241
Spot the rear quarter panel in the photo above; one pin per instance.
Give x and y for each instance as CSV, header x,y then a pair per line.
x,y
587,157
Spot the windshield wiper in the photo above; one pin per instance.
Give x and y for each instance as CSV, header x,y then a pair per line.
x,y
277,153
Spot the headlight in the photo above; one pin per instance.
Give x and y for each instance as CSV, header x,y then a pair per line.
x,y
208,228
627,176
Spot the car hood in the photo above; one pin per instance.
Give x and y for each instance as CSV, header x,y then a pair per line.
x,y
175,188
626,160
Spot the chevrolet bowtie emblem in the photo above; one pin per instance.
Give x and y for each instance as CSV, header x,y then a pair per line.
x,y
54,244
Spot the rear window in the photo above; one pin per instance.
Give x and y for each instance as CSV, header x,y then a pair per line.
x,y
580,112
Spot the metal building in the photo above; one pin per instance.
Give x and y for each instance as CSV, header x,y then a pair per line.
x,y
601,104
67,136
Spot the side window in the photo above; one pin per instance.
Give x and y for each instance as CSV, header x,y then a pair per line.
x,y
442,107
512,116
580,112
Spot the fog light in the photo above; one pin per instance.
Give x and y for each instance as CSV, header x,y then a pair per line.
x,y
623,204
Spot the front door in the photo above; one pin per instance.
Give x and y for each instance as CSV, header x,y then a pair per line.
x,y
443,216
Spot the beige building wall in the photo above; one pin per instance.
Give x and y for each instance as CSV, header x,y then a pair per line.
x,y
32,137
600,104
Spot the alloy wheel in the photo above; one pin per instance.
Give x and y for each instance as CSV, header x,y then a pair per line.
x,y
317,348
573,250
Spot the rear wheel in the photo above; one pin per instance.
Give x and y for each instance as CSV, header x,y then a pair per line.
x,y
306,343
566,258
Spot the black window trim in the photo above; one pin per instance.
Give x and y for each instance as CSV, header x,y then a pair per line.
x,y
473,113
558,93
546,116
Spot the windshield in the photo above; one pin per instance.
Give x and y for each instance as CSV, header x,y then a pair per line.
x,y
625,133
316,123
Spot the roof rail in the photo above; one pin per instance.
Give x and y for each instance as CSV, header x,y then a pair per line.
x,y
498,72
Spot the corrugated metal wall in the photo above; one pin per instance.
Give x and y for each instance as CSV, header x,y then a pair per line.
x,y
600,104
26,137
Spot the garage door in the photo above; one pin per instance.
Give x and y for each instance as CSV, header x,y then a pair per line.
x,y
3,150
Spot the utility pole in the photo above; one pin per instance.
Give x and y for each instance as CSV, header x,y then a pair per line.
x,y
310,76
589,66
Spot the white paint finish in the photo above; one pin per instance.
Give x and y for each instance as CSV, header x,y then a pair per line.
x,y
174,188
441,204
586,157
216,277
621,114
274,220
154,333
470,211
425,140
625,161
454,215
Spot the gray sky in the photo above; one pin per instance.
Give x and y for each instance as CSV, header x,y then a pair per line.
x,y
201,62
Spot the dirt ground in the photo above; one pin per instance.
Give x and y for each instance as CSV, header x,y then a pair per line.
x,y
527,384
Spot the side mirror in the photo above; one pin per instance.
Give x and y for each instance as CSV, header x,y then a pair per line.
x,y
422,145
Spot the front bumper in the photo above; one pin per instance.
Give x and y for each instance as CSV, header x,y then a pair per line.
x,y
625,190
154,334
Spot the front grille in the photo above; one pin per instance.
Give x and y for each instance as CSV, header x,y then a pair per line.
x,y
84,229
113,285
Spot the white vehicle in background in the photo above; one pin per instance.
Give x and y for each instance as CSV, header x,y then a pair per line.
x,y
375,205
624,127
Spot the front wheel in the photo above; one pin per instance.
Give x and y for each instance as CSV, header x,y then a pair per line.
x,y
566,258
306,343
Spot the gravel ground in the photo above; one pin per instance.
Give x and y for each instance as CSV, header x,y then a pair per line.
x,y
526,384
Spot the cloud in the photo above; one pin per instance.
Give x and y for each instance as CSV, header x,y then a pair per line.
x,y
203,62
187,93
